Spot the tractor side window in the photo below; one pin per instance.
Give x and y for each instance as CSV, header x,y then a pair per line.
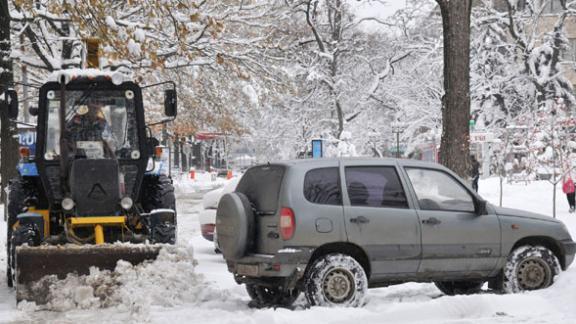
x,y
53,131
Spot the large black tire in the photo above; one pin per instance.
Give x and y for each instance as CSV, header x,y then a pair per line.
x,y
158,193
19,191
529,268
452,288
271,296
336,280
235,225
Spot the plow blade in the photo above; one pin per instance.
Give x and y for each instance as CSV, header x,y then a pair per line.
x,y
35,263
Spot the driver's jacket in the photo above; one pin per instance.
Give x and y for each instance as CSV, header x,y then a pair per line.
x,y
91,128
88,128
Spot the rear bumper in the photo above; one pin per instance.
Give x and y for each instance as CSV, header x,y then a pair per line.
x,y
569,248
288,264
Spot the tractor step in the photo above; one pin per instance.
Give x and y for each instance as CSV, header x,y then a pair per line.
x,y
35,263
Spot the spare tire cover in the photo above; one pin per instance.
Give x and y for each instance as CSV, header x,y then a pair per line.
x,y
235,225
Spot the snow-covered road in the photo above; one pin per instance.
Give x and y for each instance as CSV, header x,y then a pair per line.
x,y
208,294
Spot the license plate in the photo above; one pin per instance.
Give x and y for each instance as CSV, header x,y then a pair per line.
x,y
247,269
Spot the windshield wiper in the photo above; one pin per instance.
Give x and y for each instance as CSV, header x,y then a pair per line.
x,y
85,95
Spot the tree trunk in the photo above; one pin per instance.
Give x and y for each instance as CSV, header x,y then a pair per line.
x,y
8,140
455,144
335,16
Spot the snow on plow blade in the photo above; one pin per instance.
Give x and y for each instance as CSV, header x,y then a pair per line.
x,y
33,264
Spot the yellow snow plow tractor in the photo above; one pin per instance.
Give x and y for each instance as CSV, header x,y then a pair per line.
x,y
92,193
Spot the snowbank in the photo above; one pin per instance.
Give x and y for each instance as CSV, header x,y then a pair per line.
x,y
169,281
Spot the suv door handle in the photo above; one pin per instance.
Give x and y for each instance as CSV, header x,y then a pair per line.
x,y
431,221
359,220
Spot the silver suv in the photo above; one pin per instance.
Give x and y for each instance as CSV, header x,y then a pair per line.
x,y
333,228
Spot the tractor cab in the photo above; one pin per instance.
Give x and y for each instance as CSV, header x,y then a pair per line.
x,y
95,141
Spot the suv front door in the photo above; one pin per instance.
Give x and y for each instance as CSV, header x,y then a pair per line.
x,y
379,218
454,237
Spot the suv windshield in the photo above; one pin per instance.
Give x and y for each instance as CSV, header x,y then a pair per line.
x,y
99,124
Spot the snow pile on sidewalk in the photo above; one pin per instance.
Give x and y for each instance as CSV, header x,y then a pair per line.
x,y
168,281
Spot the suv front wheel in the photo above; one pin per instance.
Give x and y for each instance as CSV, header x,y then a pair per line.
x,y
336,280
529,268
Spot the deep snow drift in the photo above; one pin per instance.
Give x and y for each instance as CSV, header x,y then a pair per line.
x,y
178,289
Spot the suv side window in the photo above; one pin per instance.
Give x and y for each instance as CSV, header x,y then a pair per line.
x,y
322,186
375,186
436,190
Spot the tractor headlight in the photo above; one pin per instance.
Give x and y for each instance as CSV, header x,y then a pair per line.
x,y
67,203
126,203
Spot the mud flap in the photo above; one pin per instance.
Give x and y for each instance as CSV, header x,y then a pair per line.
x,y
35,263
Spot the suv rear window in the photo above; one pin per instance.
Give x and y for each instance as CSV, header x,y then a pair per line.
x,y
261,184
322,186
375,187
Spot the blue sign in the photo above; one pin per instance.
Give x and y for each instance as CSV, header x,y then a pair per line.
x,y
27,169
317,151
27,138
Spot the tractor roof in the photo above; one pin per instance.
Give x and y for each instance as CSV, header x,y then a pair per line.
x,y
88,74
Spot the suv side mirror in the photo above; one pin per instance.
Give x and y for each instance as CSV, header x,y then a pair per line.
x,y
11,99
481,207
170,103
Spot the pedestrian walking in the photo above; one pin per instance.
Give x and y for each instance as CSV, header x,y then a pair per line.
x,y
474,172
568,188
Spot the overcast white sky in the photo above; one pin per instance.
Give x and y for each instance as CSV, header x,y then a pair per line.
x,y
378,10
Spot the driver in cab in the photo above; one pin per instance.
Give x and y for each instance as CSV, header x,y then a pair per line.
x,y
90,132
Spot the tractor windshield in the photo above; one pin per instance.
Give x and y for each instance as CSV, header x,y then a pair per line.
x,y
99,124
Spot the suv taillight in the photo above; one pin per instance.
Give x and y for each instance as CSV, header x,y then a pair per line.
x,y
287,223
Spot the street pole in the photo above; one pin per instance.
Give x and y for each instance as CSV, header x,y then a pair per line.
x,y
397,128
397,145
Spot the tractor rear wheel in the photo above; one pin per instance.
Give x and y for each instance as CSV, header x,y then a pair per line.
x,y
158,193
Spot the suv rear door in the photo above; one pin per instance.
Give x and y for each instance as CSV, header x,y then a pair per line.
x,y
454,237
262,185
379,218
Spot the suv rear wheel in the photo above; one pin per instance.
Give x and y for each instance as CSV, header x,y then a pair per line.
x,y
529,268
336,280
263,296
452,288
